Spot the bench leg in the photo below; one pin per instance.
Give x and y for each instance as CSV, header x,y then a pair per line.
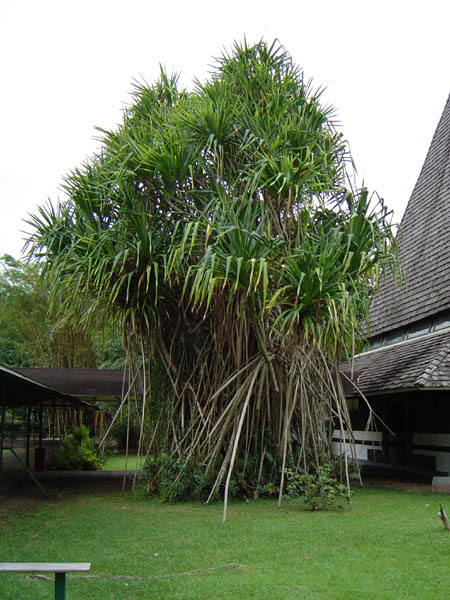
x,y
60,586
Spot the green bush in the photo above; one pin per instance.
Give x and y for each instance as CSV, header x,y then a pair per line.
x,y
76,453
319,489
175,480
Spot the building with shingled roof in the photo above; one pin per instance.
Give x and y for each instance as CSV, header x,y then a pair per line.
x,y
405,373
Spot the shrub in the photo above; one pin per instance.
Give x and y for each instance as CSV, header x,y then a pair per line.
x,y
319,489
174,480
76,453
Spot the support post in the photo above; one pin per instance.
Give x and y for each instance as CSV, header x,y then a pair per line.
x,y
27,459
64,419
408,434
60,586
2,435
12,428
385,432
41,416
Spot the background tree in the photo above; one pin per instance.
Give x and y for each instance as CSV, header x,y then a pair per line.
x,y
33,336
219,227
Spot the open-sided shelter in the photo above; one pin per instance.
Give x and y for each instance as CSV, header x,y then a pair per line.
x,y
23,395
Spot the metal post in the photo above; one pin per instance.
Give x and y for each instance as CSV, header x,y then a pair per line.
x,y
41,413
54,418
27,460
2,432
12,427
60,586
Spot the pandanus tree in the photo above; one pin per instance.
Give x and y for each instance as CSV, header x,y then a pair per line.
x,y
219,227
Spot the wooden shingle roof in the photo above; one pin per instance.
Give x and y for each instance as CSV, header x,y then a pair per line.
x,y
423,363
424,244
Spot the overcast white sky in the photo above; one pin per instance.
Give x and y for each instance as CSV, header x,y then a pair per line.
x,y
67,66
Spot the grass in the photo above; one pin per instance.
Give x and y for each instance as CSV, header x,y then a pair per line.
x,y
391,545
119,462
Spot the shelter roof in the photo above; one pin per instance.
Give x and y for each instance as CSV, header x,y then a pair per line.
x,y
424,244
17,389
422,363
80,382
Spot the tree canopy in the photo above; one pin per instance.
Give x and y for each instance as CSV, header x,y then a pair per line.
x,y
32,335
220,228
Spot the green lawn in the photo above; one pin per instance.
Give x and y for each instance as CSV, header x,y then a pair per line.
x,y
391,546
119,462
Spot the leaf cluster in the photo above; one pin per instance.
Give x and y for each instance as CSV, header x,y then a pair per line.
x,y
236,186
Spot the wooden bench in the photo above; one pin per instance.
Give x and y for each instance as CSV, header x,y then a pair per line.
x,y
59,569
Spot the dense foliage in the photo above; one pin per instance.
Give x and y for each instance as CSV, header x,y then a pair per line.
x,y
173,479
219,227
76,452
33,335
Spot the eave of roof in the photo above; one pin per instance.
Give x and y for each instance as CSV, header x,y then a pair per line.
x,y
18,389
422,363
81,382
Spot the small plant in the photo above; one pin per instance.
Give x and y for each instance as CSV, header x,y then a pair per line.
x,y
319,489
175,480
76,453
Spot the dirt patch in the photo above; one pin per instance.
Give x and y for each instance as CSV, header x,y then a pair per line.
x,y
420,487
396,479
27,498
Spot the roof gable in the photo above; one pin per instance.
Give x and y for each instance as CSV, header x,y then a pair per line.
x,y
424,244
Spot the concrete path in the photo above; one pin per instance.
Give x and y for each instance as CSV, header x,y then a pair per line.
x,y
14,473
52,475
12,470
